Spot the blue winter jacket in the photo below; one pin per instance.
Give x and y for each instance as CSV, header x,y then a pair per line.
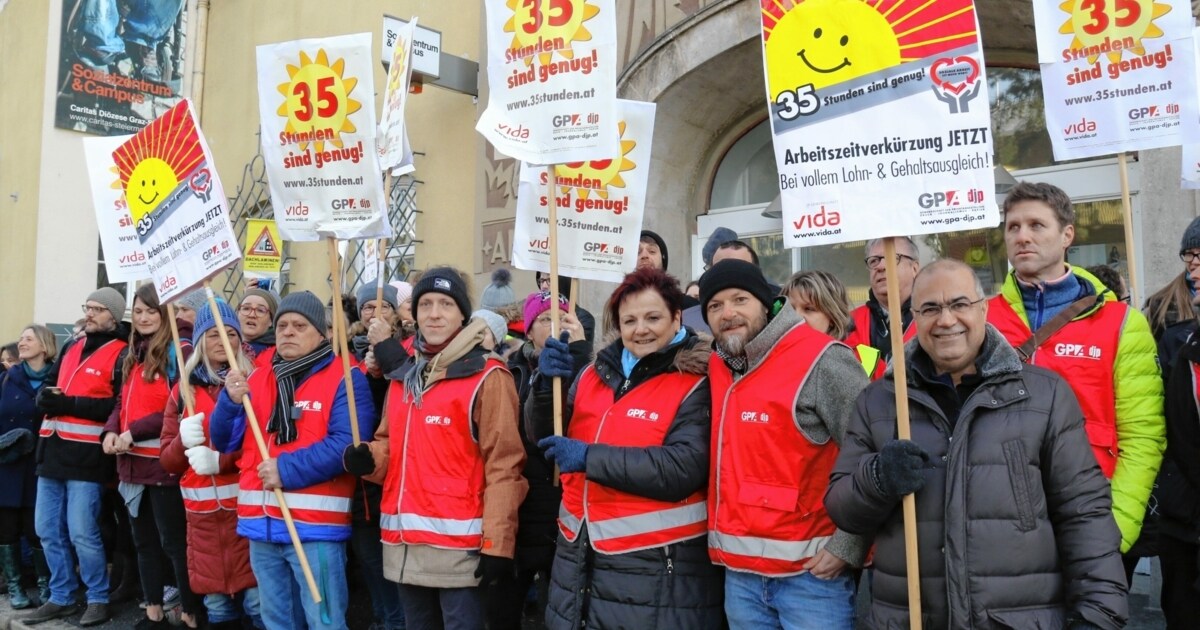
x,y
18,411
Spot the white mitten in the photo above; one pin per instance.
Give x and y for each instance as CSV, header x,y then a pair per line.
x,y
203,460
191,430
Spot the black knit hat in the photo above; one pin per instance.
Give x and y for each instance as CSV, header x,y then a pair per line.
x,y
734,274
662,245
1191,236
447,281
307,305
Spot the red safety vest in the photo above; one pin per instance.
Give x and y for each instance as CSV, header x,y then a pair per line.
x,y
861,336
618,521
325,503
263,358
767,480
91,377
203,494
433,493
139,400
1084,352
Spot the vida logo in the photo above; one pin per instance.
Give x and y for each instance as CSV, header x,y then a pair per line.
x,y
1083,126
298,209
820,219
519,132
539,243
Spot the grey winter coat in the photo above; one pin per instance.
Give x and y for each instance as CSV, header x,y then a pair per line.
x,y
1015,526
666,587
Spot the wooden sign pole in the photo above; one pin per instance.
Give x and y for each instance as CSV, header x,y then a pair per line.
x,y
185,388
339,336
1135,293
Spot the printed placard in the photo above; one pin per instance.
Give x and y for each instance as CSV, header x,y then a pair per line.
x,y
552,80
124,260
880,118
600,206
176,202
394,152
263,254
316,99
1117,75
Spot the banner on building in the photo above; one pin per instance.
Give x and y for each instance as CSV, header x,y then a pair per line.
x,y
120,64
176,202
880,118
394,151
600,206
1117,75
316,100
124,260
263,255
552,80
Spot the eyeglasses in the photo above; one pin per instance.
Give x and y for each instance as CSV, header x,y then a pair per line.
x,y
873,261
542,321
1189,257
247,309
93,310
958,307
370,308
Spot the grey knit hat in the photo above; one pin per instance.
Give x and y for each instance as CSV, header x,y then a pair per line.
x,y
307,305
111,299
495,323
367,292
499,293
1191,236
194,300
271,298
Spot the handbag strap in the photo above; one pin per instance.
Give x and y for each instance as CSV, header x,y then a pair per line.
x,y
1055,324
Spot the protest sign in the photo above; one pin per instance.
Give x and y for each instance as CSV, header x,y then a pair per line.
x,y
1190,168
124,260
1117,75
600,206
263,255
552,71
119,68
394,151
176,202
880,118
316,101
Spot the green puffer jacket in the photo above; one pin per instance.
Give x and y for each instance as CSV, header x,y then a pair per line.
x,y
1138,391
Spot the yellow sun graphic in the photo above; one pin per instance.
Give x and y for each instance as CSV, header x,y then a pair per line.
x,y
317,101
1094,21
153,162
825,42
543,27
596,175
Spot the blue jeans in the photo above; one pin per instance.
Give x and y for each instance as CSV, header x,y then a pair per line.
x,y
66,521
146,23
385,594
428,608
289,604
797,602
222,608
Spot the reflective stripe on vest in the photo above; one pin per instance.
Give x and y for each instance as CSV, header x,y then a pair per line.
x,y
91,377
754,547
650,522
443,526
140,399
72,429
295,501
203,500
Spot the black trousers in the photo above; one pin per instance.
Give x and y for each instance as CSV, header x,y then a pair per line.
x,y
161,528
1181,582
17,523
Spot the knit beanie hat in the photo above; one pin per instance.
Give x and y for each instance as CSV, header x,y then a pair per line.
x,y
367,292
111,299
716,239
662,245
495,323
194,300
734,274
1191,236
206,321
307,305
403,291
443,280
271,298
499,293
537,303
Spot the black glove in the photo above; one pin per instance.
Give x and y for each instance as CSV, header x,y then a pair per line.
x,y
357,460
898,468
556,359
494,569
1079,623
54,402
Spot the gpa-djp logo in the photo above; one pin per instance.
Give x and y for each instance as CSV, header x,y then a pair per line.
x,y
595,247
1078,351
949,198
956,81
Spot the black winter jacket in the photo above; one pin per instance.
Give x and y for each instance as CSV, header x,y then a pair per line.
x,y
78,461
1178,489
1014,523
667,587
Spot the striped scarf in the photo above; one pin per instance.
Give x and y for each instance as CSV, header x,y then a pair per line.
x,y
282,424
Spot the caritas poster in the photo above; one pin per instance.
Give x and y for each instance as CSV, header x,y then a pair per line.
x,y
316,100
176,202
552,80
600,206
120,64
124,260
1117,75
880,118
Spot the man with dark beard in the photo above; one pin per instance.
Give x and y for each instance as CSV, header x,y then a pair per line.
x,y
781,393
